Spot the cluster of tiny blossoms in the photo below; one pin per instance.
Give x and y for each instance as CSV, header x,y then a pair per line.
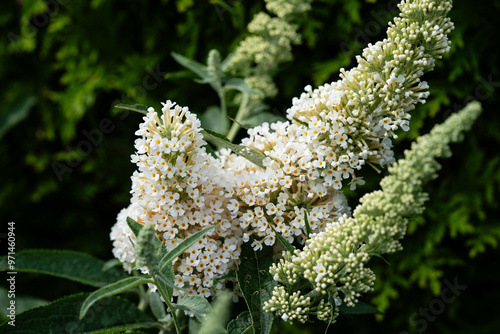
x,y
269,44
358,114
180,189
333,131
334,261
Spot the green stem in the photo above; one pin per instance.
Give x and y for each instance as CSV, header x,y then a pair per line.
x,y
223,108
166,297
240,116
144,299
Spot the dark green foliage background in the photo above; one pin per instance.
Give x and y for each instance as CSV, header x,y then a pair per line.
x,y
82,57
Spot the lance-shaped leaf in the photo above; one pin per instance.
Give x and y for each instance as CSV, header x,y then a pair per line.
x,y
257,284
75,266
289,247
113,315
183,246
198,68
138,108
251,155
110,290
239,84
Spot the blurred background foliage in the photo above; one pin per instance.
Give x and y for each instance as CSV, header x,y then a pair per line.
x,y
66,167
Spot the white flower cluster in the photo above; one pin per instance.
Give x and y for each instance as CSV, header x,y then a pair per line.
x,y
334,261
358,114
333,131
180,189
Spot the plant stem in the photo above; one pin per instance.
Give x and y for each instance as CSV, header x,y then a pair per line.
x,y
223,108
166,297
144,299
240,116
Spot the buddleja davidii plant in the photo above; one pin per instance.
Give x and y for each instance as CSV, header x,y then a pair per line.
x,y
332,269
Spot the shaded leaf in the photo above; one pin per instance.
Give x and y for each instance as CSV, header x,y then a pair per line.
x,y
198,68
262,117
257,284
113,315
213,119
241,325
23,303
110,290
15,112
75,266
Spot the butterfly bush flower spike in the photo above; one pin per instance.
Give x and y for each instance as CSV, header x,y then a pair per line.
x,y
334,261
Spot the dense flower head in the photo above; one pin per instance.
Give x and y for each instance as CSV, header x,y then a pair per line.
x,y
284,196
179,189
332,132
359,114
334,261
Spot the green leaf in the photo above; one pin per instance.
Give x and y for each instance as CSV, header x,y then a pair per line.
x,y
113,315
23,303
230,275
306,222
257,284
212,119
251,155
197,305
198,68
16,112
157,306
239,84
76,266
166,279
225,63
138,108
215,321
110,290
289,247
359,308
241,325
183,246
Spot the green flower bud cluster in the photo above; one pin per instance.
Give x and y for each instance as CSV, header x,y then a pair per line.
x,y
145,250
334,261
268,45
